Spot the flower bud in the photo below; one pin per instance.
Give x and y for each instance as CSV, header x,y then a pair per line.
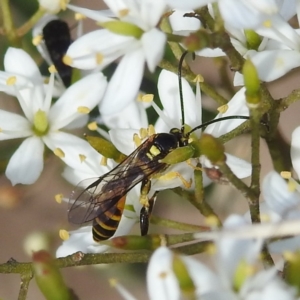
x,y
252,84
212,148
48,277
185,281
106,148
179,155
123,28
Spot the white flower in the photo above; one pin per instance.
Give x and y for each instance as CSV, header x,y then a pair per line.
x,y
236,277
243,14
42,122
53,6
99,48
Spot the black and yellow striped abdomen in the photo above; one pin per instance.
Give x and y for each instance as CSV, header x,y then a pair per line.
x,y
106,224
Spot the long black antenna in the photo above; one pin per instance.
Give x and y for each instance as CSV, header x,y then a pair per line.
x,y
218,120
180,86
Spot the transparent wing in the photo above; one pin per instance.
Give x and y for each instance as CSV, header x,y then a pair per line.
x,y
93,197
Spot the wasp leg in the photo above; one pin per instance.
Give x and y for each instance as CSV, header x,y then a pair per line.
x,y
192,166
172,175
145,214
145,188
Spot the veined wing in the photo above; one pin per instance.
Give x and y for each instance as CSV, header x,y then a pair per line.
x,y
91,199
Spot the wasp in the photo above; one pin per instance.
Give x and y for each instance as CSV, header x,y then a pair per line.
x,y
57,38
103,201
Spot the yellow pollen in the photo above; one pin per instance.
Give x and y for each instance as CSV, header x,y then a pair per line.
x,y
292,185
67,60
212,221
151,130
103,161
222,109
11,80
52,69
140,97
286,174
143,133
92,126
37,40
113,282
64,234
137,141
123,12
198,78
58,198
83,109
99,58
290,256
267,23
1,130
63,4
211,249
58,152
79,16
82,157
265,217
163,275
147,98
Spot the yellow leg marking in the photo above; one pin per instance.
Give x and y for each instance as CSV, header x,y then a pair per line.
x,y
144,200
189,162
173,175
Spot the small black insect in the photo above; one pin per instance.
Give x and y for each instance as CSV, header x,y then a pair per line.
x,y
57,39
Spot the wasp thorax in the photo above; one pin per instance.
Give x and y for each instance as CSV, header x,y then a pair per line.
x,y
164,143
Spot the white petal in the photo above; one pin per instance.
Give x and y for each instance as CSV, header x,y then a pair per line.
x,y
168,90
13,126
52,6
80,240
161,280
153,43
86,92
73,148
180,23
152,11
238,166
236,106
124,84
277,194
26,164
133,116
274,64
188,4
246,14
295,150
111,46
100,16
123,139
18,62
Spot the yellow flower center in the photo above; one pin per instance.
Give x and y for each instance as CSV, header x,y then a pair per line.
x,y
40,123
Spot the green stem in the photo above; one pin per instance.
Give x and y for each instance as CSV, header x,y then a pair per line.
x,y
176,225
26,27
255,162
239,184
25,280
8,24
190,76
203,207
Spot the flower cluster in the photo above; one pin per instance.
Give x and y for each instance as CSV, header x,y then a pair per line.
x,y
149,134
